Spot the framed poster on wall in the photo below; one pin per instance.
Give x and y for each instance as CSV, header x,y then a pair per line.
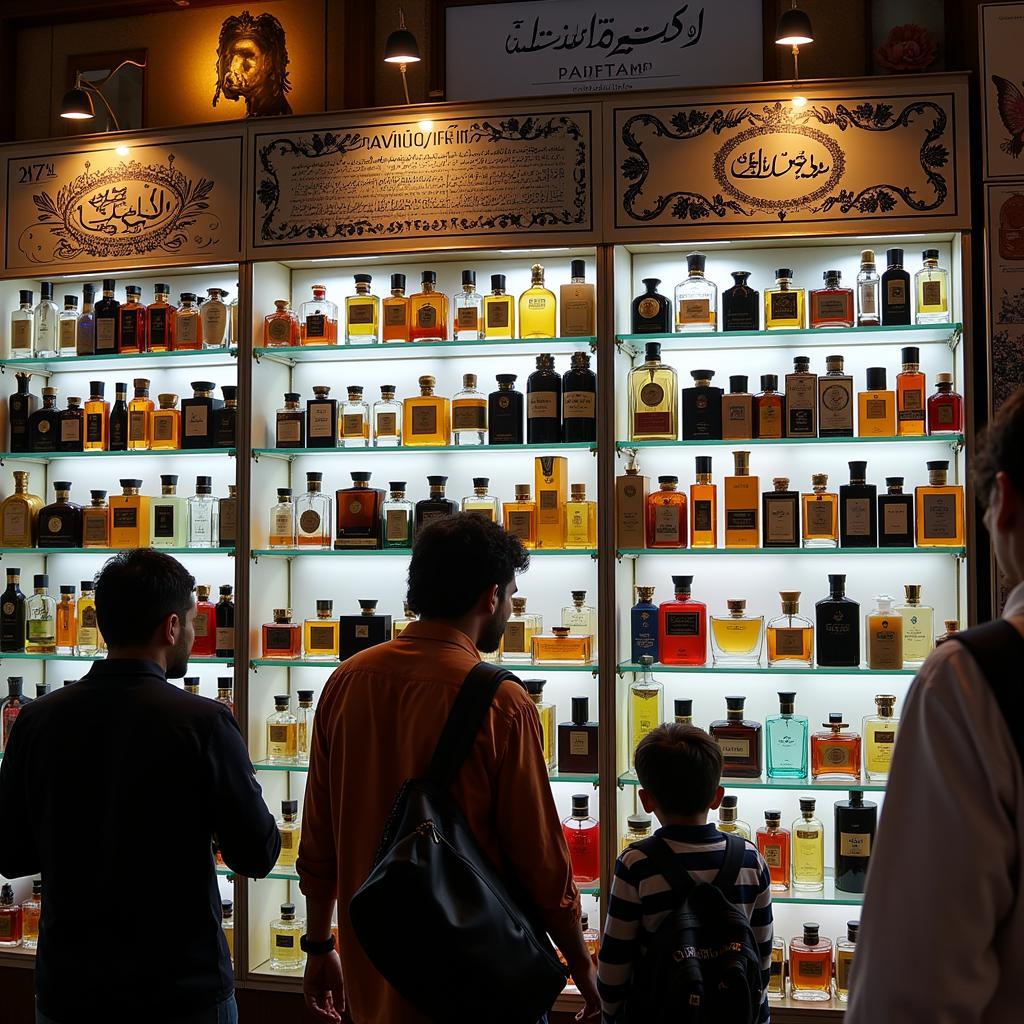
x,y
1001,34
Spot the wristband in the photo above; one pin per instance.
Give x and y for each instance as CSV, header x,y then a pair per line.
x,y
312,948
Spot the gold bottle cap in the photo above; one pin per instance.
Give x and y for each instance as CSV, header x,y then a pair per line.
x,y
833,362
537,274
944,378
913,592
141,384
427,384
282,615
522,492
282,304
168,401
741,462
73,403
578,491
49,392
867,257
780,483
645,593
952,625
790,601
202,591
321,390
469,381
518,605
819,481
21,478
561,632
886,704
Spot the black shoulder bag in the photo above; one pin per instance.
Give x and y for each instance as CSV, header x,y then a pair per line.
x,y
465,951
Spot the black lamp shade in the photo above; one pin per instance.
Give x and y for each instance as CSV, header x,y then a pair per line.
x,y
401,48
77,105
794,29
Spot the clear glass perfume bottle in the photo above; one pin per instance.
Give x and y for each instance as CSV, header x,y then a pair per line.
x,y
469,414
285,932
203,512
696,298
791,635
581,618
808,849
396,517
482,503
468,306
354,420
521,628
728,820
918,627
646,704
931,287
362,314
387,419
869,291
737,638
880,738
314,514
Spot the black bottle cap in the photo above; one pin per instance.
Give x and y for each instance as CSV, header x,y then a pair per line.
x,y
361,478
784,272
362,278
930,254
67,588
88,585
894,481
46,289
702,374
203,385
682,584
287,909
355,389
428,277
168,479
858,471
738,384
772,817
41,580
437,481
668,479
807,804
187,297
535,687
230,392
505,378
62,485
481,481
12,571
740,276
683,707
937,464
769,382
703,463
811,929
396,485
204,481
96,387
735,703
578,268
226,589
25,296
910,354
130,482
852,929
71,300
652,351
894,257
312,477
876,378
225,683
729,800
289,807
88,292
157,288
580,710
292,396
801,363
226,906
837,582
324,605
305,694
651,283
284,492
398,281
497,282
282,700
469,277
856,798
834,717
109,284
133,289
580,805
787,698
696,261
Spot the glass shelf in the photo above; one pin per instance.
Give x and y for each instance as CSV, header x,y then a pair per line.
x,y
147,453
590,667
625,667
830,895
125,361
295,663
44,552
800,785
682,552
555,776
292,453
954,440
917,334
21,656
392,552
422,349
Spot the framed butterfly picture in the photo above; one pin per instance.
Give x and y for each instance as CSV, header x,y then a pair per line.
x,y
1001,34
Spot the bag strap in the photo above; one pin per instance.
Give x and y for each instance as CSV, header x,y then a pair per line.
x,y
666,863
735,854
464,721
998,650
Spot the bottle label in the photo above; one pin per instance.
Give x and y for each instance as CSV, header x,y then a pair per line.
x,y
387,424
106,333
157,327
883,743
912,404
215,321
321,638
282,525
95,527
426,315
855,844
68,333
741,519
467,318
225,638
885,642
894,519
395,313
820,520
40,629
694,311
287,839
94,426
780,524
810,968
352,425
682,624
54,525
362,312
832,305
424,420
800,404
772,854
396,525
163,521
836,402
940,520
137,426
316,325
321,419
196,420
579,742
652,423
577,311
702,516
733,748
309,521
579,405
736,416
668,524
844,961
519,524
71,429
931,294
278,638
469,416
652,394
783,305
858,517
498,313
279,329
289,431
163,426
837,755
21,335
875,409
43,426
769,419
896,292
789,641
542,405
125,518
648,308
188,329
867,296
88,617
515,637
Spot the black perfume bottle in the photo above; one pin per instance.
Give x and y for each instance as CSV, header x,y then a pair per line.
x,y
106,314
44,424
119,419
577,741
197,415
702,408
505,412
837,626
225,617
741,309
60,523
652,312
579,400
12,614
21,405
437,506
72,427
780,516
544,403
895,290
856,822
224,418
367,629
321,419
858,510
895,515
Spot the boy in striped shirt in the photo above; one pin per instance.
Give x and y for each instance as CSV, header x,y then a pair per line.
x,y
680,769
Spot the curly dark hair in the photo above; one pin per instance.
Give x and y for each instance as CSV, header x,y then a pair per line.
x,y
680,766
1000,448
455,559
267,96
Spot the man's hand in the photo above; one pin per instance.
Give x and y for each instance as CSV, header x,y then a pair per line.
x,y
324,988
586,982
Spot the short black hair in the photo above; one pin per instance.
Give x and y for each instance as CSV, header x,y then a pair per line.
x,y
455,559
135,591
1000,448
680,766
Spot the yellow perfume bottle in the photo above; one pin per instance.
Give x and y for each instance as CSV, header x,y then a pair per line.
x,y
19,514
499,310
742,505
546,712
362,314
940,510
880,738
784,304
561,646
537,308
129,517
320,635
290,831
520,516
646,704
426,417
876,407
551,472
580,519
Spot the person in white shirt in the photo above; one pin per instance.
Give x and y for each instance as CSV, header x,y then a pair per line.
x,y
942,932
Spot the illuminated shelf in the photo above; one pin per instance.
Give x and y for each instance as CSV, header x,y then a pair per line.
x,y
954,440
629,779
787,552
830,895
422,349
126,361
555,776
292,453
391,552
21,656
758,669
512,667
147,453
918,334
44,552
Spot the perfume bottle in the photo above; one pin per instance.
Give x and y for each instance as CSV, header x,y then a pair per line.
x,y
786,740
521,628
810,966
67,327
318,319
856,821
820,515
169,515
832,306
835,755
202,515
801,399
845,952
499,310
40,618
835,400
945,407
682,627
895,291
305,725
918,627
12,614
358,514
468,307
387,419
140,413
808,849
741,309
85,329
188,325
90,640
880,738
703,507
544,403
740,740
281,328
652,312
931,290
769,409
643,620
552,492
426,417
129,516
895,516
480,502
702,408
728,820
577,741
282,638
108,323
520,516
285,932
736,638
289,830
537,308
777,977
354,420
784,304
950,628
780,515
583,837
577,305
579,400
360,632
428,311
742,529
313,514
46,319
940,510
638,827
546,713
320,635
166,425
581,618
653,408
858,508
23,325
696,298
883,635
737,411
60,523
282,520
362,314
215,318
133,322
646,703
224,615
505,412
666,515
876,406
11,707
774,844
31,910
205,624
910,400
19,514
437,506
562,647
197,416
868,291
225,692
469,414
791,635
395,312
837,618
10,917
21,405
44,424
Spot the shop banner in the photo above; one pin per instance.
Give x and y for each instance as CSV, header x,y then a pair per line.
x,y
1004,205
745,163
1002,85
129,203
388,183
593,46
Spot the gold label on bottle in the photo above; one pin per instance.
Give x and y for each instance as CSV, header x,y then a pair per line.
x,y
71,429
515,637
54,524
196,421
819,518
831,306
279,329
497,314
361,313
894,519
789,641
579,742
736,417
810,968
137,426
43,426
285,941
187,329
394,314
21,335
807,834
780,527
387,424
396,525
875,408
858,517
289,431
95,527
836,401
518,524
772,855
469,416
287,838
886,642
913,402
836,755
652,394
361,632
931,293
352,425
694,311
424,419
321,419
855,844
224,638
844,961
309,521
106,332
68,332
940,517
202,625
896,292
426,316
783,305
733,748
542,405
321,638
579,405
467,319
667,524
163,428
741,519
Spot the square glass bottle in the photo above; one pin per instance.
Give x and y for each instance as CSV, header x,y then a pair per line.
x,y
358,514
396,517
702,408
354,420
835,755
197,416
282,520
820,515
931,290
728,818
395,312
468,308
387,419
737,411
469,414
737,638
831,306
703,506
313,514
546,713
696,298
580,519
643,626
740,741
683,626
577,304
786,740
166,424
129,516
499,320
784,304
835,400
482,503
880,738
318,319
520,516
577,741
505,412
910,397
281,328
360,632
790,635
282,638
96,522
945,407
869,293
321,419
521,628
940,510
895,516
769,409
436,506
876,406
845,952
428,311
780,515
896,300
320,635
858,510
883,635
918,627
560,646
290,425
808,849
810,966
742,498
203,511
653,402
667,525
801,399
741,307
581,618
774,843
169,515
362,314
72,422
426,417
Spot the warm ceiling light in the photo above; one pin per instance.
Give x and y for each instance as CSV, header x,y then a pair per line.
x,y
401,48
794,28
425,126
122,151
77,105
799,102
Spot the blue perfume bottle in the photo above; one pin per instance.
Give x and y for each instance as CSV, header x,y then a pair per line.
x,y
643,622
786,739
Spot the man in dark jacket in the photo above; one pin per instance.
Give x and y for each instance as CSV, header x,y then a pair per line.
x,y
114,790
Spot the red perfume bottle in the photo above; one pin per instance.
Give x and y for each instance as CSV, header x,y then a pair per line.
x,y
945,407
683,627
205,645
11,707
774,845
583,837
10,917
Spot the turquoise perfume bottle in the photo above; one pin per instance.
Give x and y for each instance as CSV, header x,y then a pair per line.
x,y
786,740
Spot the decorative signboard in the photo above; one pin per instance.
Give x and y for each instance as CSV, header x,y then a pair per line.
x,y
154,203
593,46
393,184
756,162
1001,35
1004,205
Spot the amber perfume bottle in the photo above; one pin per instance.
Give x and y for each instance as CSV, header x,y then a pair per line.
x,y
810,966
784,304
282,638
741,309
358,514
845,952
166,424
736,638
702,408
940,510
737,411
945,407
562,646
895,516
801,399
318,319
683,627
577,741
740,740
876,406
205,626
426,417
577,304
858,522
703,507
631,494
395,312
552,491
820,515
883,635
581,519
780,515
520,516
790,635
281,328
282,730
910,399
769,409
129,516
880,738
499,310
835,754
666,515
742,500
774,843
835,400
832,306
320,635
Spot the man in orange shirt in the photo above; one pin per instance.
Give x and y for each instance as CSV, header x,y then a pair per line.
x,y
377,724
